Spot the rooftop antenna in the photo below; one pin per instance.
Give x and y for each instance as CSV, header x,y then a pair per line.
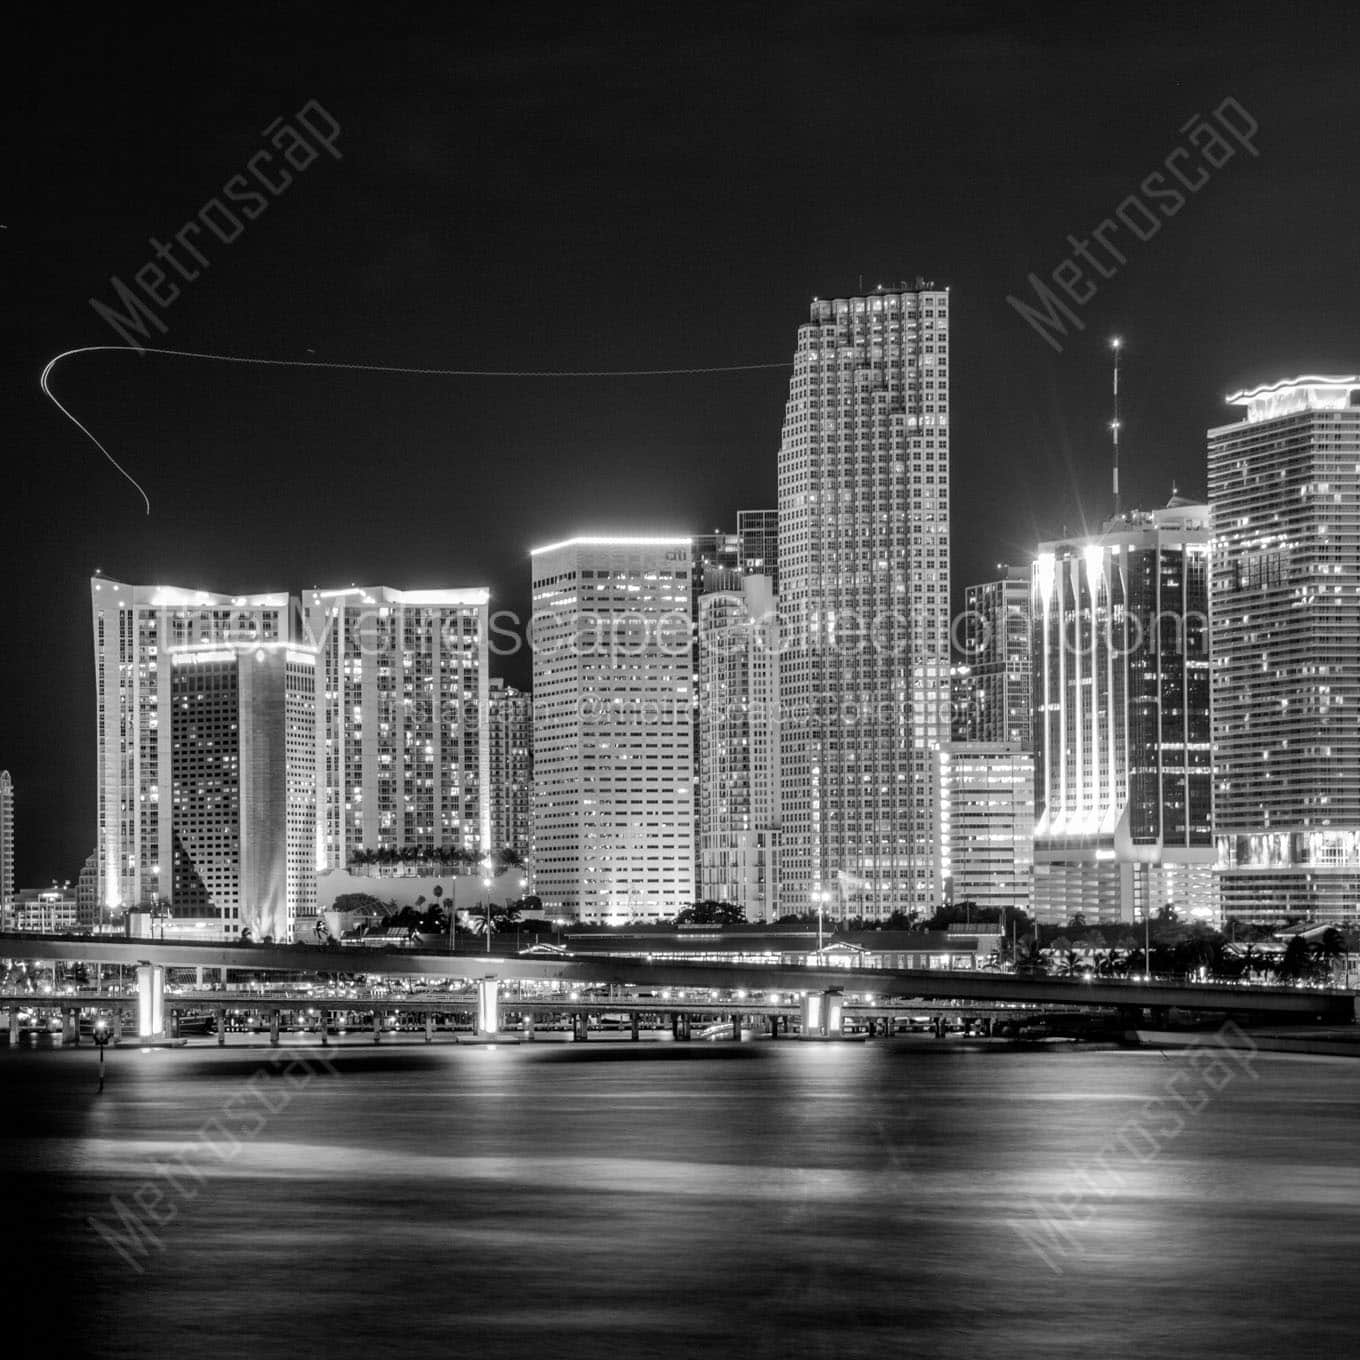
x,y
1115,346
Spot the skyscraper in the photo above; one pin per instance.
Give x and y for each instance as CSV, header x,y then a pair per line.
x,y
403,749
987,830
613,804
864,602
243,787
134,629
6,840
1123,771
759,534
738,802
1284,485
998,643
511,734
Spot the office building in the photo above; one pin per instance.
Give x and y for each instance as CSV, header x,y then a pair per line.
x,y
738,780
758,531
402,740
511,737
1123,774
987,824
1284,485
243,788
864,603
135,628
613,799
997,640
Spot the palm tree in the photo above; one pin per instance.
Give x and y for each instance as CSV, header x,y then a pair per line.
x,y
1071,965
1328,950
1031,960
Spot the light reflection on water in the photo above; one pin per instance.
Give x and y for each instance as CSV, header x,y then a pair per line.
x,y
766,1201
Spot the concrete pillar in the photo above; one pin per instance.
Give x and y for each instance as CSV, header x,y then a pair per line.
x,y
117,1024
736,1028
429,1027
633,1025
325,1028
939,1027
70,1026
377,1025
682,1025
150,1001
13,1025
580,1027
528,1024
274,1027
220,1024
488,1005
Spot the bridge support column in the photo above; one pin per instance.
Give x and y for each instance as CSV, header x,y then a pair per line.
x,y
70,1026
220,1025
117,1024
633,1025
939,1027
325,1027
377,1025
680,1025
580,1027
274,1028
736,1028
14,1025
150,1001
488,1006
429,1027
822,1013
527,1024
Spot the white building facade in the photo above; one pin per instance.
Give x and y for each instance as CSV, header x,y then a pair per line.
x,y
613,803
864,603
987,824
403,747
134,629
1284,484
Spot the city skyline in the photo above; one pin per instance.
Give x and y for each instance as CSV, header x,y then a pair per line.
x,y
365,259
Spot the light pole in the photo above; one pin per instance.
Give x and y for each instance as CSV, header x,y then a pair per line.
x,y
820,898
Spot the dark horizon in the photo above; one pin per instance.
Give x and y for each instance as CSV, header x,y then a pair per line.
x,y
589,192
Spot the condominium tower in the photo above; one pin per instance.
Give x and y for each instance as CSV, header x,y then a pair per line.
x,y
402,745
1284,484
864,603
613,805
997,637
243,787
135,628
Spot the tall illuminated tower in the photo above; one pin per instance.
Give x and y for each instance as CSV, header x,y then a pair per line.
x,y
998,642
613,804
134,629
511,735
1123,763
403,747
864,603
1284,484
243,787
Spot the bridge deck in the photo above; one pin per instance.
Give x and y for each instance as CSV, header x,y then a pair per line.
x,y
1311,1003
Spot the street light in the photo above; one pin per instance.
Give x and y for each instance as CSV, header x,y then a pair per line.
x,y
486,887
820,898
101,1038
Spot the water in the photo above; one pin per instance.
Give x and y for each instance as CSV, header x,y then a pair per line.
x,y
770,1200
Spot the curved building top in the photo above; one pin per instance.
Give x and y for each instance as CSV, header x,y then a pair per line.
x,y
1290,395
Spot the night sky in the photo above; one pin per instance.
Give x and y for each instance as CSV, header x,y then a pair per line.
x,y
601,189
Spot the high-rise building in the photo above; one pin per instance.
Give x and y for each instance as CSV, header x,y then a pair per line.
x,y
1123,768
88,914
613,802
1284,484
759,534
243,787
864,603
998,643
965,703
134,629
6,839
403,747
511,735
738,802
987,824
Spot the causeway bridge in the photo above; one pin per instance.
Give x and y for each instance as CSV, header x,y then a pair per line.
x,y
821,997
